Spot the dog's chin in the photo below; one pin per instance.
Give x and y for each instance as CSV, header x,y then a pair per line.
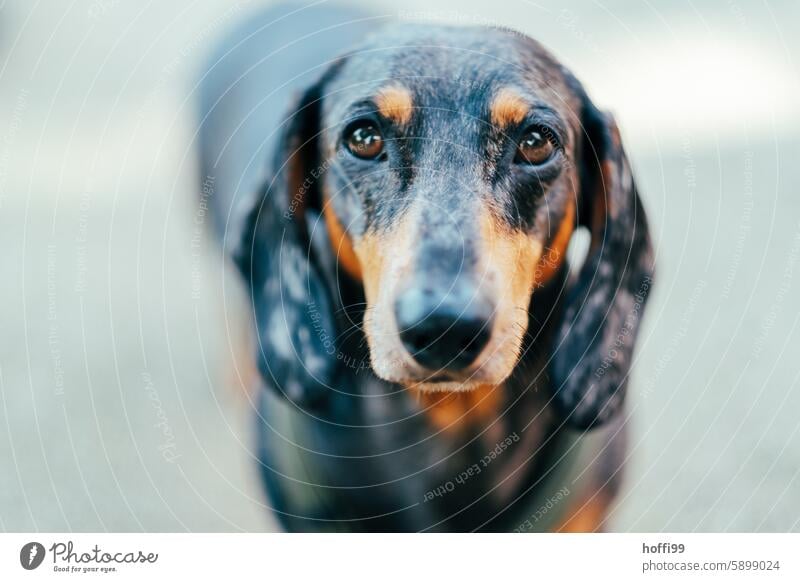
x,y
429,382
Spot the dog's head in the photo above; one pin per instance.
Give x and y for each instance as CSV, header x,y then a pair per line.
x,y
451,166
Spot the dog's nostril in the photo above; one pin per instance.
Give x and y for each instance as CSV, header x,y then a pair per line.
x,y
443,331
419,341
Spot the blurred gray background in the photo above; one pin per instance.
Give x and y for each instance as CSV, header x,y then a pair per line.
x,y
124,399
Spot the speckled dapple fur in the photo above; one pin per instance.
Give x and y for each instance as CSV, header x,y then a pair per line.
x,y
348,438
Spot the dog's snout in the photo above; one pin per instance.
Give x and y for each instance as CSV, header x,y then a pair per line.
x,y
444,330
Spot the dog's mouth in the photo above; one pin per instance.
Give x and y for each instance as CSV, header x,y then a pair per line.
x,y
429,361
440,379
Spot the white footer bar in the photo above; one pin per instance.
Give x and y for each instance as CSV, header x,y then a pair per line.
x,y
406,558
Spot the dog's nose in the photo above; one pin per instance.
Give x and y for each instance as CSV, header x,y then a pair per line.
x,y
444,331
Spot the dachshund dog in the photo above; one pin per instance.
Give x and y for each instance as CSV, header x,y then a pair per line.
x,y
431,359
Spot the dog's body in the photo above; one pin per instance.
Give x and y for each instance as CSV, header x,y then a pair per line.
x,y
357,432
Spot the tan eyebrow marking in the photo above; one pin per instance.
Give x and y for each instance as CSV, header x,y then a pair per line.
x,y
508,107
395,102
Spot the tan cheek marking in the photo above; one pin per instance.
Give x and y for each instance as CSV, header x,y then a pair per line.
x,y
527,253
369,252
383,258
513,255
508,108
343,245
557,250
395,103
381,253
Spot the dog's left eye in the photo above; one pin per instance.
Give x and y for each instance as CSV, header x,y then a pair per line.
x,y
364,140
535,147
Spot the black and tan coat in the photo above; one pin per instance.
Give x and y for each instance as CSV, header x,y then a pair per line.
x,y
428,361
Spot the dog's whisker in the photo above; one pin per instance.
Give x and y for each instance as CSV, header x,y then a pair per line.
x,y
350,306
345,334
530,315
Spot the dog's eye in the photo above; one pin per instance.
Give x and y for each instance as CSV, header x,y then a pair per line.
x,y
364,140
535,147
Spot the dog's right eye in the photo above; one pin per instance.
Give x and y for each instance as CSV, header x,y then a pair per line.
x,y
363,139
536,147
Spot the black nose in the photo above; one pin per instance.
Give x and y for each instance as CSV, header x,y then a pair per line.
x,y
444,330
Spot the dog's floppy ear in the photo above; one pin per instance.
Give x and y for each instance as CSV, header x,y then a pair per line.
x,y
291,300
603,309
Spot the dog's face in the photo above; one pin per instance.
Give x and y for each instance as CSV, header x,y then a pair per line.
x,y
450,194
451,167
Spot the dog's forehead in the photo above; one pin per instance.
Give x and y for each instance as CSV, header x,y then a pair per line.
x,y
441,62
